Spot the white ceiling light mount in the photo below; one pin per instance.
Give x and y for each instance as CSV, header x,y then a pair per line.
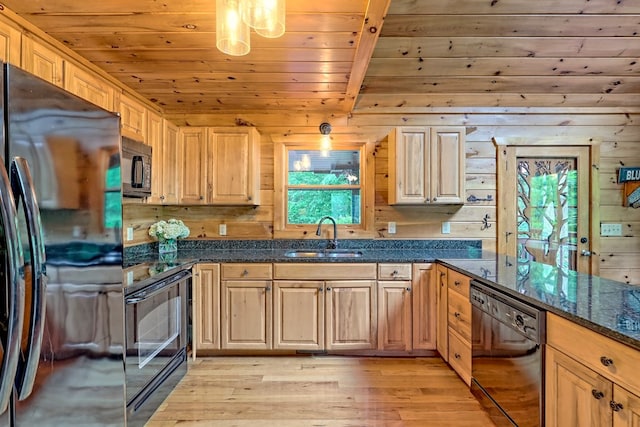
x,y
325,143
235,18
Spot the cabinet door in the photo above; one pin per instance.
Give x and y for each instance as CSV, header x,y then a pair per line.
x,y
234,172
447,160
424,307
42,61
298,315
246,314
169,164
206,307
154,138
394,315
408,165
442,305
627,408
88,86
350,320
133,119
193,160
575,395
10,43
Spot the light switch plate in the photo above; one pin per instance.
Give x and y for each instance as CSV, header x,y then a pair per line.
x,y
391,227
446,227
611,229
222,229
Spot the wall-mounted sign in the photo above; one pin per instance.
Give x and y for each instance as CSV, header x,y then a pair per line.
x,y
631,178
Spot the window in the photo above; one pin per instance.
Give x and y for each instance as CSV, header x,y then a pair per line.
x,y
316,183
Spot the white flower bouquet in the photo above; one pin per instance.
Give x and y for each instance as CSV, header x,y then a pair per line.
x,y
170,229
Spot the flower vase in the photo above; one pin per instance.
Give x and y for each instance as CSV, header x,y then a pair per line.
x,y
167,246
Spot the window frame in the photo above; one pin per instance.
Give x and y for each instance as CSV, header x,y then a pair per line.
x,y
282,229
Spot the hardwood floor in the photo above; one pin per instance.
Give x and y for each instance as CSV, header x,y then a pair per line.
x,y
332,391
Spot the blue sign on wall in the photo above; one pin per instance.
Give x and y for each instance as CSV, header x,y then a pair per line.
x,y
628,174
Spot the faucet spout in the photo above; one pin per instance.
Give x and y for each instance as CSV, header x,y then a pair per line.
x,y
332,244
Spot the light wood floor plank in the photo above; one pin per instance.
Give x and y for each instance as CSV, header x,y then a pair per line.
x,y
320,391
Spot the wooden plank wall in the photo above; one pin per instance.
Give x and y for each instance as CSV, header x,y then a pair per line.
x,y
618,131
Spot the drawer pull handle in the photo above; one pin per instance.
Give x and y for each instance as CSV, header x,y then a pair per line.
x,y
456,355
597,394
617,407
457,315
245,272
457,283
606,361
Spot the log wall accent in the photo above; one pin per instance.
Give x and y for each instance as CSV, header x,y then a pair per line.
x,y
621,146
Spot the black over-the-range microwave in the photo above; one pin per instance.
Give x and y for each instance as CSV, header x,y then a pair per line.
x,y
136,168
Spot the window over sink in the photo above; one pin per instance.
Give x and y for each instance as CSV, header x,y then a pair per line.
x,y
312,183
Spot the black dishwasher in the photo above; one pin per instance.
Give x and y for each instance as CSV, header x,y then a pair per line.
x,y
507,365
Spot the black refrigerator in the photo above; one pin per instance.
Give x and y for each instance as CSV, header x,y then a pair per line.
x,y
61,304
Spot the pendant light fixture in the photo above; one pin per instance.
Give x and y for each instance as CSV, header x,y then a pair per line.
x,y
234,18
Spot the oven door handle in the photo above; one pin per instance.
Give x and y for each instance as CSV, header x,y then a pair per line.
x,y
156,288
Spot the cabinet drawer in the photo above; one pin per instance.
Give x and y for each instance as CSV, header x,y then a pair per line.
x,y
611,359
460,356
460,314
246,271
324,271
458,282
394,271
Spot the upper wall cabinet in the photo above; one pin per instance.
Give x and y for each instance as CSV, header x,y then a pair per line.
x,y
42,60
133,118
89,87
426,165
10,41
219,166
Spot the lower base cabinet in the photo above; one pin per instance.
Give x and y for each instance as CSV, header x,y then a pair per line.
x,y
245,311
206,307
298,315
590,380
350,315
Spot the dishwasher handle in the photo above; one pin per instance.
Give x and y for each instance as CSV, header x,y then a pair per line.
x,y
156,288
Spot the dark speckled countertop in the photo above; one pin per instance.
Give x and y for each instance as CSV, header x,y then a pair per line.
x,y
605,306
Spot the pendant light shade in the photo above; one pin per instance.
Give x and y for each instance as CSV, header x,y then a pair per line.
x,y
271,20
232,33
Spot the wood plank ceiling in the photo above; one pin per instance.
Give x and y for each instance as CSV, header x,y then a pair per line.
x,y
429,54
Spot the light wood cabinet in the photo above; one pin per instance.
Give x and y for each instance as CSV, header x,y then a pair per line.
x,y
394,315
423,291
220,166
298,315
89,87
41,60
192,153
246,306
155,139
170,157
589,379
350,314
133,119
10,43
442,309
206,307
458,322
426,165
234,166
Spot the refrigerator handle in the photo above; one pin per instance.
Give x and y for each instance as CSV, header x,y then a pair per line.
x,y
15,291
23,188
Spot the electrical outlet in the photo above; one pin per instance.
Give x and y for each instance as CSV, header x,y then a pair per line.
x,y
446,227
611,229
222,229
129,277
391,227
129,234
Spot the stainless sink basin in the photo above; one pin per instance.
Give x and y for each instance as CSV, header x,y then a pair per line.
x,y
329,253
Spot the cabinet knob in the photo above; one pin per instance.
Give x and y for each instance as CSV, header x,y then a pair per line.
x,y
320,289
245,272
394,273
597,394
442,274
161,197
606,361
457,355
328,289
408,289
617,407
457,283
457,315
201,197
435,198
268,288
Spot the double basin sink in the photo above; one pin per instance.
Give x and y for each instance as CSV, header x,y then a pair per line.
x,y
323,253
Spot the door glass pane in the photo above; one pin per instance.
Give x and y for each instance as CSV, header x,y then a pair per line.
x,y
547,211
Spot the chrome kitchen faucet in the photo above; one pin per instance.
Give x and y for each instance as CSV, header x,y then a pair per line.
x,y
332,244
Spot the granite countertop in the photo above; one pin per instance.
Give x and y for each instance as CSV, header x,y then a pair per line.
x,y
605,306
608,307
